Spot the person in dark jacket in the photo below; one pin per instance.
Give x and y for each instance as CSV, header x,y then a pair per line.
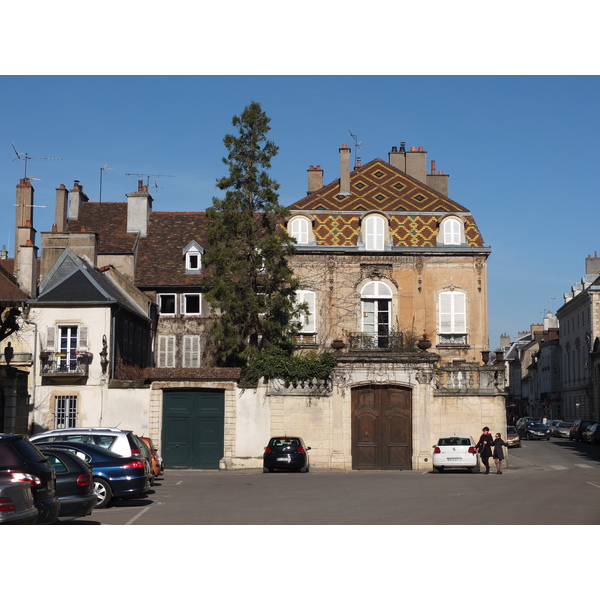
x,y
484,446
498,452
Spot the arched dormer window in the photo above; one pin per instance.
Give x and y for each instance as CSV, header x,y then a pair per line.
x,y
300,228
375,233
193,258
452,232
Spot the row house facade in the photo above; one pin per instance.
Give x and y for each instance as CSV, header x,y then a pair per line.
x,y
118,324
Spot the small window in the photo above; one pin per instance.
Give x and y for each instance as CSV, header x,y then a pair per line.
x,y
192,261
166,304
300,227
452,232
191,351
190,304
65,414
374,232
166,351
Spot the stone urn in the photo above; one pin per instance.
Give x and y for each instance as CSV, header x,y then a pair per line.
x,y
338,345
424,344
485,356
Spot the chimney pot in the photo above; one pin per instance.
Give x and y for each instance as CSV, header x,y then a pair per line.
x,y
394,149
413,148
402,146
54,228
29,243
420,148
433,167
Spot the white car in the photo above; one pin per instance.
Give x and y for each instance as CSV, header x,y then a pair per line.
x,y
455,452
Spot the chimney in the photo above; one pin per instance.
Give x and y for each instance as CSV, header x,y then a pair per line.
x,y
24,221
592,264
315,179
139,207
26,268
76,198
438,181
398,159
416,163
344,170
60,217
3,253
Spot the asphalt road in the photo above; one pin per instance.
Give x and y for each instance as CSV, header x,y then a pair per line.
x,y
545,482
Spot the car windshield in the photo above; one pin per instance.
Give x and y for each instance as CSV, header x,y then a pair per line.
x,y
564,425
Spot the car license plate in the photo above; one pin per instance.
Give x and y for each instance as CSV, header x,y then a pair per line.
x,y
454,459
284,459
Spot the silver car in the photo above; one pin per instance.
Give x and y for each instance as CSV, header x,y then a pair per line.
x,y
561,429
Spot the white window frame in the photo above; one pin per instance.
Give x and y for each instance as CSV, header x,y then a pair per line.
x,y
453,231
165,351
188,261
452,317
159,297
307,322
191,352
183,307
374,232
300,228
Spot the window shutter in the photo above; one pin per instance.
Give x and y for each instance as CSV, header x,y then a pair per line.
x,y
453,315
191,351
308,322
452,232
374,233
166,351
51,338
300,230
83,337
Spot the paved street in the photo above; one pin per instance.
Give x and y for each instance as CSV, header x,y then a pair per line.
x,y
555,482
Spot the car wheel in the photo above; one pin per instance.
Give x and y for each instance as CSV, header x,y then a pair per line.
x,y
104,492
439,469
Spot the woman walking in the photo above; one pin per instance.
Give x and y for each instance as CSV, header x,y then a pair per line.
x,y
498,453
484,445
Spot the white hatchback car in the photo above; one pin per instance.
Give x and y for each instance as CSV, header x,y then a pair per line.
x,y
455,452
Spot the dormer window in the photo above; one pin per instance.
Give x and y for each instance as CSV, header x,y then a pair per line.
x,y
452,232
375,233
193,258
300,228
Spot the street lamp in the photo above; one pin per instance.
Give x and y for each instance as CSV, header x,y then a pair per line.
x,y
104,356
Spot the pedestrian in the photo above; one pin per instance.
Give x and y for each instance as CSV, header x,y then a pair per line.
x,y
498,453
484,445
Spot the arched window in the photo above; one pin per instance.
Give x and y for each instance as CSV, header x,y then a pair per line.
x,y
376,301
452,232
299,229
374,228
453,318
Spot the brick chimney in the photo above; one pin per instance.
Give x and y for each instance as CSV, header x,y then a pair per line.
x,y
315,179
62,201
24,233
139,207
76,198
344,170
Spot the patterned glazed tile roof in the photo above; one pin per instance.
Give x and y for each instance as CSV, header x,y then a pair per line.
x,y
413,208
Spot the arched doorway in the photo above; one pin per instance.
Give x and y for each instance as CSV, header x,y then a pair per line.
x,y
381,427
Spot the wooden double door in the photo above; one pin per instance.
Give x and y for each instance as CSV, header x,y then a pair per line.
x,y
381,427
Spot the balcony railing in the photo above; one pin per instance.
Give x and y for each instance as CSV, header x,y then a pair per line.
x,y
393,341
65,363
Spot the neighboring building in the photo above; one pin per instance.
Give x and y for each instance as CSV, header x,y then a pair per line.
x,y
579,331
385,258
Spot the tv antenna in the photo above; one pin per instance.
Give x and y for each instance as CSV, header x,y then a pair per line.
x,y
28,158
357,146
104,169
148,175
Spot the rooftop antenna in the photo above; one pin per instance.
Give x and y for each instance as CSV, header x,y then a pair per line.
x,y
104,169
28,158
357,146
148,175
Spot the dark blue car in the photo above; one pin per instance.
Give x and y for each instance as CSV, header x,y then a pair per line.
x,y
114,476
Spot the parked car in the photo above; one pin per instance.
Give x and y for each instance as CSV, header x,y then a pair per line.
x,y
534,430
562,429
146,456
455,452
114,476
74,484
16,504
157,462
578,427
592,434
551,424
20,460
513,439
119,441
286,453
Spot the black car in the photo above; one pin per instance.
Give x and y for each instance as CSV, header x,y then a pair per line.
x,y
74,484
534,430
20,460
286,453
114,476
577,429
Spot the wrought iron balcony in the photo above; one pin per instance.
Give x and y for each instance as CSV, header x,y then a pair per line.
x,y
392,341
74,363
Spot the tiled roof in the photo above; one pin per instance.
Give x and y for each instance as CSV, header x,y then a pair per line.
x,y
414,208
109,221
9,290
161,261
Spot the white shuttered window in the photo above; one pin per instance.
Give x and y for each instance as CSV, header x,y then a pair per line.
x,y
166,351
453,312
191,351
308,322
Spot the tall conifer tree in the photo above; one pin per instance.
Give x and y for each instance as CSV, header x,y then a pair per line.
x,y
252,286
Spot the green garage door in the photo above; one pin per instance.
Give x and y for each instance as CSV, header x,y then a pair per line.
x,y
193,427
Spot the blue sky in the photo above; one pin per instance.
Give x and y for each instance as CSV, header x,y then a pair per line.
x,y
521,152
